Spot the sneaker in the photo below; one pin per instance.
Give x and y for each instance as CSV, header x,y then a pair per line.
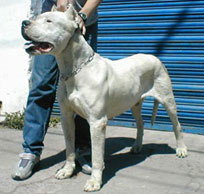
x,y
24,169
85,164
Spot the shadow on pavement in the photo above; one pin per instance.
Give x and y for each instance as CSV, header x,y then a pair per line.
x,y
52,160
114,159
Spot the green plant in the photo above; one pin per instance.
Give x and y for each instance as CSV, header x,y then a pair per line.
x,y
54,121
14,120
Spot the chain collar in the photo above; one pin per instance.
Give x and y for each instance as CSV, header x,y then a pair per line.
x,y
77,70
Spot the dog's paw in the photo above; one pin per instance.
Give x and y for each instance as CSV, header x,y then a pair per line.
x,y
64,173
136,149
181,152
92,185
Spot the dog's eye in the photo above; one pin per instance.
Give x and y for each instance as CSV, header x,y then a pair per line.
x,y
48,21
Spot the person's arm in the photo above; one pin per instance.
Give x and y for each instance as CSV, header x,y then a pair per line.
x,y
90,6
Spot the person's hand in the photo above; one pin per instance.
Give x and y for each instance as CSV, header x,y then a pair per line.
x,y
62,5
82,25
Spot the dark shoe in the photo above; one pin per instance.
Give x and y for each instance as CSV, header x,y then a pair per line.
x,y
85,164
24,169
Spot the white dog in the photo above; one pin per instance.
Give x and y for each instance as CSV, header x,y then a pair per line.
x,y
97,88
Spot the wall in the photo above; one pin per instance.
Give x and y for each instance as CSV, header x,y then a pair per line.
x,y
14,60
172,30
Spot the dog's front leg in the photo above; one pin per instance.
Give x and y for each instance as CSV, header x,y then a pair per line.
x,y
97,129
69,135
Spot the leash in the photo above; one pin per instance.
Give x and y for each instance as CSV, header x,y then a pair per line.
x,y
77,70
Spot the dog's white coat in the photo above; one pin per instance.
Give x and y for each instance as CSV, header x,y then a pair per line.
x,y
101,90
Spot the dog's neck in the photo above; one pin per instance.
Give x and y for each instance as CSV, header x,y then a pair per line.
x,y
74,56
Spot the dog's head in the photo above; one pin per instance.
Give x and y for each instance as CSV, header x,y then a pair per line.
x,y
50,32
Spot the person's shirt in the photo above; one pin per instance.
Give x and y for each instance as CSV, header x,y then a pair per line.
x,y
35,8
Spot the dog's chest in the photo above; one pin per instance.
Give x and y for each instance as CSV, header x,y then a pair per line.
x,y
75,101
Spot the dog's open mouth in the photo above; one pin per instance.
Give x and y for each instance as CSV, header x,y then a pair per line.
x,y
38,47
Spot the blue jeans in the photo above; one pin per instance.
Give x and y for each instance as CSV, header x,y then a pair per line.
x,y
41,97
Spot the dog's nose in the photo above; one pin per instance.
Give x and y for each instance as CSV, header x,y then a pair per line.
x,y
26,23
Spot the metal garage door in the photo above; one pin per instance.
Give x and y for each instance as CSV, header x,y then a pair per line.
x,y
173,30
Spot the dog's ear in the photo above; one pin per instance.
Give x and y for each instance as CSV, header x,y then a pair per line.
x,y
71,13
54,8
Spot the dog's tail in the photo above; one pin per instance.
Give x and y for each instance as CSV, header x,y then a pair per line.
x,y
154,113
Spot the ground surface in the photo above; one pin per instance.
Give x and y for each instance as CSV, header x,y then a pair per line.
x,y
155,170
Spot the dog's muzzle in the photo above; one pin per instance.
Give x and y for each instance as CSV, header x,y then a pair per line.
x,y
34,47
24,25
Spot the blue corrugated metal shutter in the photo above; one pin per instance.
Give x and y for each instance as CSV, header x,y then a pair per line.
x,y
173,30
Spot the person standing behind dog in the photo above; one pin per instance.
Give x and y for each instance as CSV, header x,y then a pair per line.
x,y
44,80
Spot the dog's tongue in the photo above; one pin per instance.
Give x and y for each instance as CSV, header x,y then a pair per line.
x,y
28,45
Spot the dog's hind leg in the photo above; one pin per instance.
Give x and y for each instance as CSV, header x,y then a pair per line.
x,y
164,94
136,111
170,106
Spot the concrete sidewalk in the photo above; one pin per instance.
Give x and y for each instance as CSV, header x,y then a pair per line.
x,y
155,171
